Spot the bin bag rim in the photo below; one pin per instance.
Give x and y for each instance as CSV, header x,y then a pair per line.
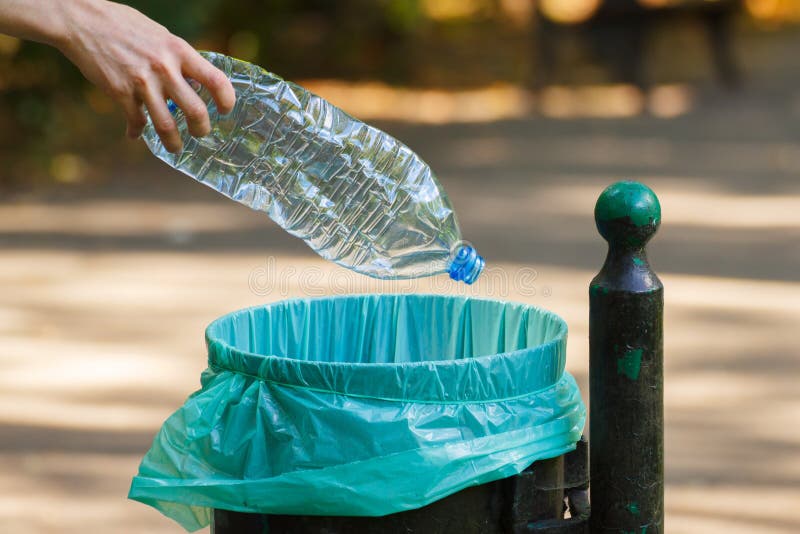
x,y
484,378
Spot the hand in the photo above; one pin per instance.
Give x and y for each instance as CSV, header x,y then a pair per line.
x,y
139,62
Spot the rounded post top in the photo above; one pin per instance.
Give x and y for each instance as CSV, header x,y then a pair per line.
x,y
627,213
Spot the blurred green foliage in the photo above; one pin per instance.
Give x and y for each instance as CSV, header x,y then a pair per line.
x,y
55,126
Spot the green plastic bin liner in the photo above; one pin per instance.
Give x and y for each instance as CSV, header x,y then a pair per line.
x,y
363,405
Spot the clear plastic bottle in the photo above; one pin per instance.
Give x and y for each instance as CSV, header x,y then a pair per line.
x,y
356,195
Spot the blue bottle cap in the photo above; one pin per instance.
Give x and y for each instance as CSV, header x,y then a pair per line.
x,y
466,265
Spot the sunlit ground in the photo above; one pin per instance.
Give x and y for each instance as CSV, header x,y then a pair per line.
x,y
375,100
105,297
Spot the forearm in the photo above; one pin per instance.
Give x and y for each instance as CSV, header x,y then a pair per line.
x,y
46,21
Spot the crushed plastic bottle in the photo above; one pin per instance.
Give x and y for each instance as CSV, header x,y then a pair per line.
x,y
354,194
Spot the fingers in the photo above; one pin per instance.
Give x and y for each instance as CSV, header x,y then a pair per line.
x,y
162,119
135,117
213,79
194,109
163,77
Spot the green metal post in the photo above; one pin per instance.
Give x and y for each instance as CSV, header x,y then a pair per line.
x,y
626,304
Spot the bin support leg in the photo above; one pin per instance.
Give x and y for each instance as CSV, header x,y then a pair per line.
x,y
626,301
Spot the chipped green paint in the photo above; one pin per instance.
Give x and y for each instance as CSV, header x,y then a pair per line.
x,y
598,289
639,261
629,199
633,508
630,364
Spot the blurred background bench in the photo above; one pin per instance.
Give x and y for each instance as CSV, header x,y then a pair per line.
x,y
617,33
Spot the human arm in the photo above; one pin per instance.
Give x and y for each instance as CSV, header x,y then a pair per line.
x,y
130,57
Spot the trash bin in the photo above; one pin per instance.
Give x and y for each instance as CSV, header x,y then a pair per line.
x,y
363,406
